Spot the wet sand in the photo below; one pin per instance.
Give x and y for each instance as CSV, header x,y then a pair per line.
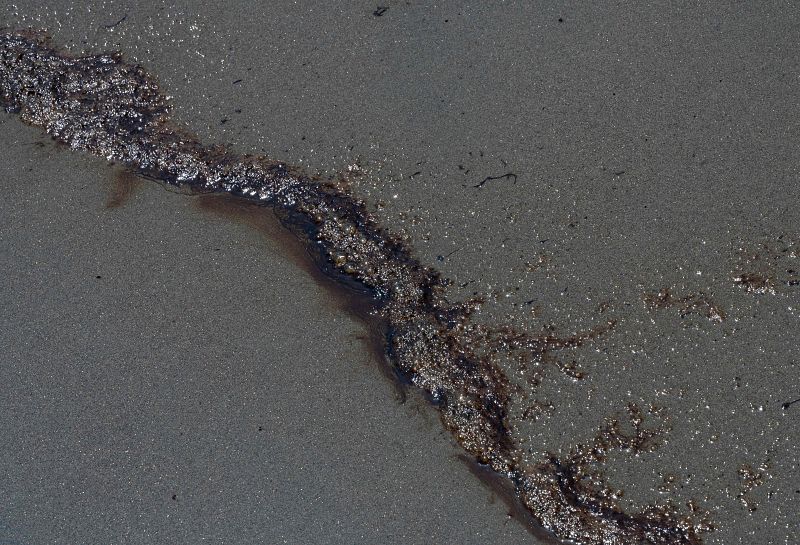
x,y
174,376
653,161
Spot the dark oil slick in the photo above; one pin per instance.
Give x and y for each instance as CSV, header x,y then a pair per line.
x,y
105,106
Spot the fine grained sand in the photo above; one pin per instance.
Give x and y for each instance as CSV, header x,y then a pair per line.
x,y
650,144
170,376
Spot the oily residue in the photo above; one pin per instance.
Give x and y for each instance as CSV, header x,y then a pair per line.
x,y
105,106
690,303
260,217
770,266
124,186
751,478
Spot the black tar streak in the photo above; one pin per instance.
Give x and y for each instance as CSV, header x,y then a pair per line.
x,y
790,403
508,175
112,25
443,257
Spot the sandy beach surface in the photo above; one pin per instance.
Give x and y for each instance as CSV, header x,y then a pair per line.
x,y
171,376
577,165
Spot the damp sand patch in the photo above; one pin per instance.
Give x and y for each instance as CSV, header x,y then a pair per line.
x,y
103,105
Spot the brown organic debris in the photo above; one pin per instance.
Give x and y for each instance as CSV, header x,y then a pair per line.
x,y
691,303
751,478
769,266
103,105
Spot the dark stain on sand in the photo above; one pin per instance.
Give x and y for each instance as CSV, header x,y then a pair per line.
x,y
371,273
123,186
283,235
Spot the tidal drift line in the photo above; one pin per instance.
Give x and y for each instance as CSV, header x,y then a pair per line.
x,y
105,106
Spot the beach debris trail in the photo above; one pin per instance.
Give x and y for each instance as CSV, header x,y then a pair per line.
x,y
110,108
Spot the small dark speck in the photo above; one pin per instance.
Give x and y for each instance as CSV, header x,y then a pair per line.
x,y
379,11
260,428
175,497
560,19
98,276
620,173
237,81
224,120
